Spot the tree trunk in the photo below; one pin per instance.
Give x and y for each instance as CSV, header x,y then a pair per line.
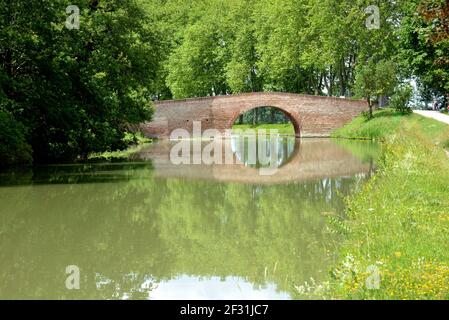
x,y
370,105
342,84
318,90
256,116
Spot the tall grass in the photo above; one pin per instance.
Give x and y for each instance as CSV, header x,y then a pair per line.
x,y
399,222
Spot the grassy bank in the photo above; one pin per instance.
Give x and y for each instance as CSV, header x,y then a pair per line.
x,y
283,128
399,222
136,142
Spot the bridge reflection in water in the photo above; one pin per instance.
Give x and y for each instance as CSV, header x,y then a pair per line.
x,y
296,160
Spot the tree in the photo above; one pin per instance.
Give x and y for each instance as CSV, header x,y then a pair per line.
x,y
242,73
14,148
76,91
278,28
424,50
375,79
197,67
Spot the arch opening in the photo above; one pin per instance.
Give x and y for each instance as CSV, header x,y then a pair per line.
x,y
267,117
256,152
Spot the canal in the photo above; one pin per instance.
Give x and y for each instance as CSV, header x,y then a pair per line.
x,y
147,228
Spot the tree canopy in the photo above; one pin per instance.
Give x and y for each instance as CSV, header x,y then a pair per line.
x,y
75,91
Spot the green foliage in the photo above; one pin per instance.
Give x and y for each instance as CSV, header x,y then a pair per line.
x,y
375,79
263,115
14,148
76,91
400,101
197,67
137,142
306,46
424,47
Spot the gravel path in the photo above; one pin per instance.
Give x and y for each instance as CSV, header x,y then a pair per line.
x,y
434,115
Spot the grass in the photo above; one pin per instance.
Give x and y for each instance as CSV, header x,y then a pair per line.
x,y
283,128
384,123
387,123
136,141
398,223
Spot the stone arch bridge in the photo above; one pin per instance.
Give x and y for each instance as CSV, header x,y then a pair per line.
x,y
311,116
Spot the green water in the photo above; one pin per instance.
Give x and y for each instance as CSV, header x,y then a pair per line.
x,y
148,229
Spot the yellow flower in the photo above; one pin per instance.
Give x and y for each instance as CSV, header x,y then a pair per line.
x,y
398,254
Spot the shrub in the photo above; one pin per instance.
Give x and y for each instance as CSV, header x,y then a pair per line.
x,y
400,101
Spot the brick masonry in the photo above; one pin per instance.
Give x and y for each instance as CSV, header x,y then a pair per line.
x,y
312,116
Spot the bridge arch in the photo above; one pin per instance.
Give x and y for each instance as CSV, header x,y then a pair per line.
x,y
294,119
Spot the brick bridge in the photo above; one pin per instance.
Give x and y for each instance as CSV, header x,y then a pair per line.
x,y
311,116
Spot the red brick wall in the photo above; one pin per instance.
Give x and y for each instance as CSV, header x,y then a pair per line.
x,y
312,116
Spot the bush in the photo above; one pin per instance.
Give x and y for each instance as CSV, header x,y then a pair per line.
x,y
14,148
400,101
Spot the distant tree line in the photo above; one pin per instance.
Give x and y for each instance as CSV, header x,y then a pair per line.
x,y
263,115
65,93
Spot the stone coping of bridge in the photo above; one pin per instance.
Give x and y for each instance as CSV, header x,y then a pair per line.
x,y
249,94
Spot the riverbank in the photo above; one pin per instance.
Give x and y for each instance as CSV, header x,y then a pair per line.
x,y
398,225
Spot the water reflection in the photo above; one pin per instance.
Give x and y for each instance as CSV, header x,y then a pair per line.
x,y
299,160
214,288
148,230
278,149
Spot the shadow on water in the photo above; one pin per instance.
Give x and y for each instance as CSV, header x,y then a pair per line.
x,y
75,173
150,230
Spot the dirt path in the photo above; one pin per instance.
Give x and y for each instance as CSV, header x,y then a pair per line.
x,y
434,115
